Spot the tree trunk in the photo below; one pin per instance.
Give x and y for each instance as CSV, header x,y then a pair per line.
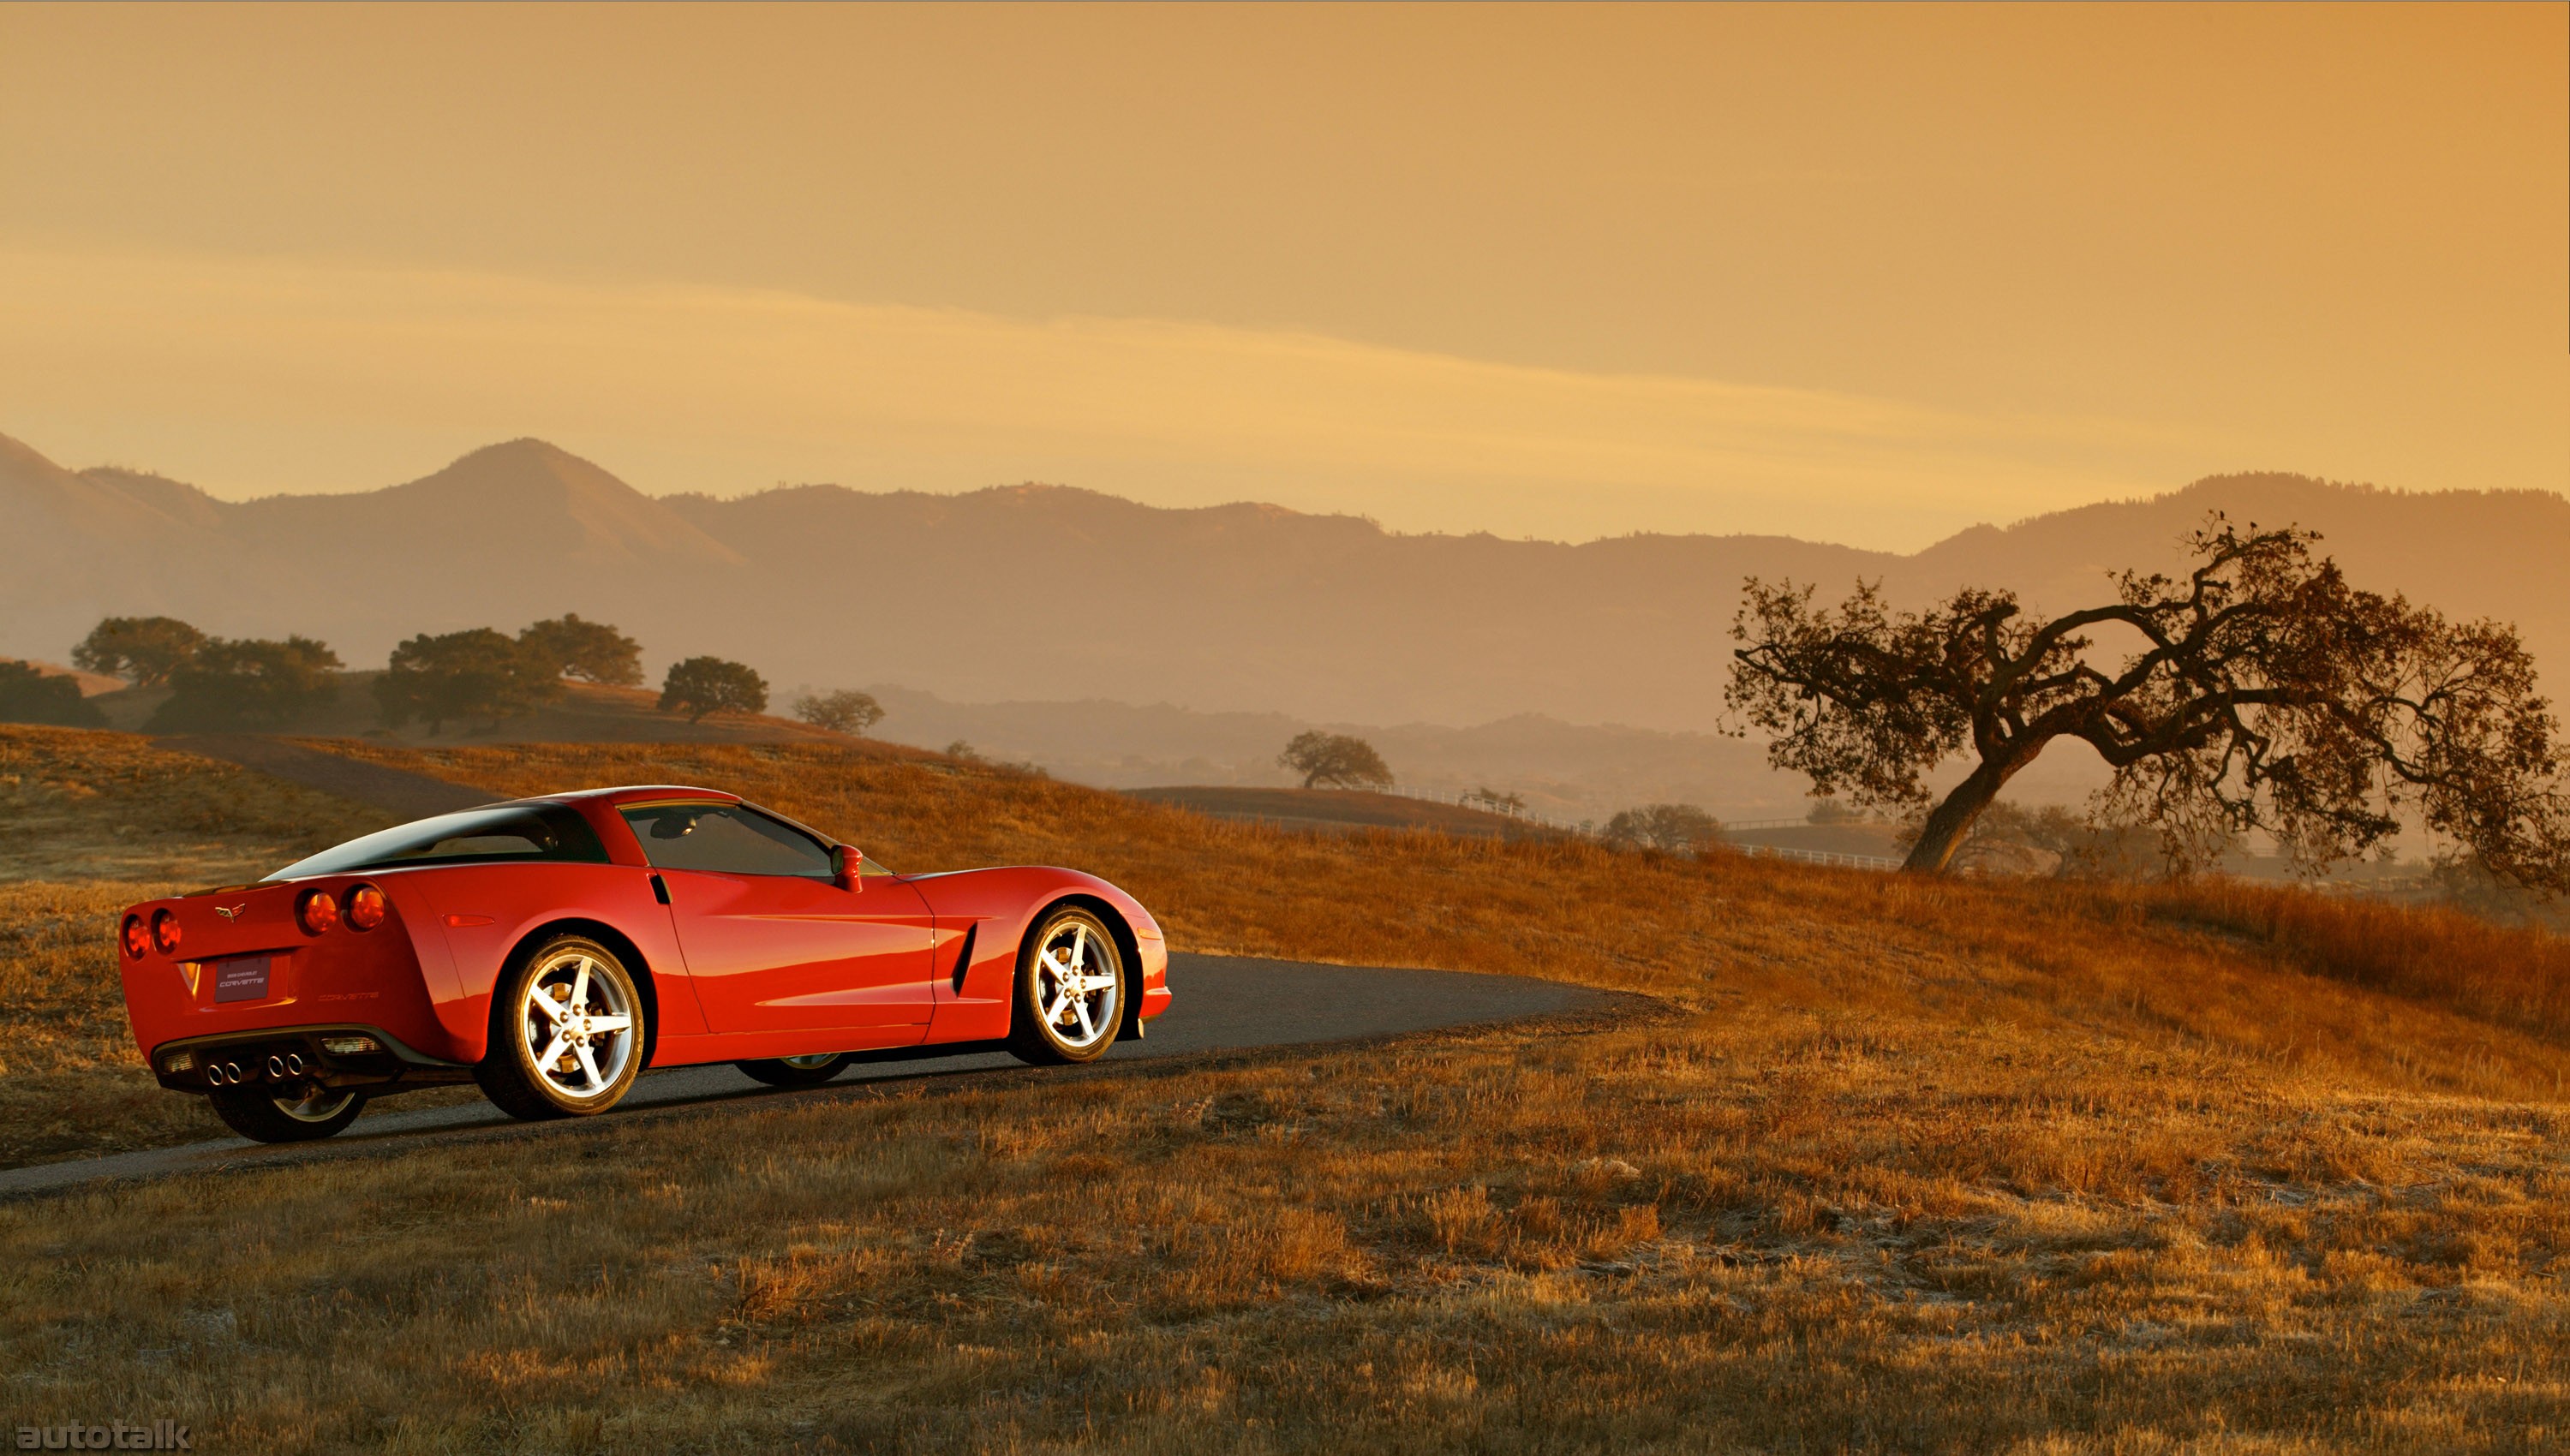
x,y
1954,816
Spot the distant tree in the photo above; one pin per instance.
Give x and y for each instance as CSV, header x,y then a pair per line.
x,y
702,685
477,675
28,695
251,682
1831,811
844,711
143,650
963,750
2260,692
1680,829
1335,759
589,651
1496,802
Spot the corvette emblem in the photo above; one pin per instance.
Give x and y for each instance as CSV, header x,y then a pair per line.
x,y
231,911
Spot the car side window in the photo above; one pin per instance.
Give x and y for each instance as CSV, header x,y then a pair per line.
x,y
726,838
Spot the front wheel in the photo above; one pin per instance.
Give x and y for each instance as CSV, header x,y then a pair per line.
x,y
567,1032
809,1071
1070,990
263,1117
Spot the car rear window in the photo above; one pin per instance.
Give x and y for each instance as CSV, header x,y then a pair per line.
x,y
502,832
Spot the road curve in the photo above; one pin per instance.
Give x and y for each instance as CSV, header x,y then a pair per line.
x,y
1224,1003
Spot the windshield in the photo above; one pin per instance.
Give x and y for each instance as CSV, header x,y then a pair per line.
x,y
502,832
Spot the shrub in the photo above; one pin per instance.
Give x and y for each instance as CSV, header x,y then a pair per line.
x,y
30,696
843,711
1680,829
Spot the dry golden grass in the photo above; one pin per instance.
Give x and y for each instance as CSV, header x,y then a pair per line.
x,y
1951,1167
71,1081
89,823
1766,1229
2474,1009
81,805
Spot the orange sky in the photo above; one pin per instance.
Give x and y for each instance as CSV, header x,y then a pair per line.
x,y
1862,274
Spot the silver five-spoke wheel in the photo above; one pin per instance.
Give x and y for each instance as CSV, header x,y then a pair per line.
x,y
1070,988
1077,987
578,1024
569,1032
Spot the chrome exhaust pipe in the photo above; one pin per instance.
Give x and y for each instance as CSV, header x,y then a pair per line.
x,y
232,1074
295,1063
276,1069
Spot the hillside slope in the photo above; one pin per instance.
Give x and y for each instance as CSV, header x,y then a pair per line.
x,y
1945,1168
1042,593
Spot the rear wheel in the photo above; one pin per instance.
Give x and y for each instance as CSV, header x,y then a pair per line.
x,y
809,1071
264,1117
567,1032
1070,990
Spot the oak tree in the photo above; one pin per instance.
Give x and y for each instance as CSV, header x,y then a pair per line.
x,y
589,651
28,694
248,682
477,675
702,685
143,650
2260,692
1335,759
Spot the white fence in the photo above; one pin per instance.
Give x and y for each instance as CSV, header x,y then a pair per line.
x,y
1818,857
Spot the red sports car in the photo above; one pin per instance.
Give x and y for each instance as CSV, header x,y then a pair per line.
x,y
552,949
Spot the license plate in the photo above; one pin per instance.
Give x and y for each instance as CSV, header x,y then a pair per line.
x,y
241,979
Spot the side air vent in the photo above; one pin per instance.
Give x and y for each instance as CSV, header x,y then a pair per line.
x,y
964,958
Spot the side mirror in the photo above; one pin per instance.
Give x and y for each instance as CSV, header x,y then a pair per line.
x,y
847,868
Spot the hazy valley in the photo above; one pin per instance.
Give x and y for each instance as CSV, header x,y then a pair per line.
x,y
1123,644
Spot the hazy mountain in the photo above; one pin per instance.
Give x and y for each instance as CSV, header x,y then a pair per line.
x,y
1034,592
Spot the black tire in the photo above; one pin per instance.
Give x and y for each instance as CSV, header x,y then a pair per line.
x,y
1036,1038
784,1072
263,1117
508,1072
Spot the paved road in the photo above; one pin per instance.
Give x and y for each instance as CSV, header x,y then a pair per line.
x,y
395,790
1223,1002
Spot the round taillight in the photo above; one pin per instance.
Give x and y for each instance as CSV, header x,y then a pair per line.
x,y
137,938
165,932
366,907
316,912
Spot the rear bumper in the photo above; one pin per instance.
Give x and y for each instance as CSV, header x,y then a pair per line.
x,y
296,1055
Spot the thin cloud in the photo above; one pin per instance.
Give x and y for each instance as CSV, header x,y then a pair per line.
x,y
253,376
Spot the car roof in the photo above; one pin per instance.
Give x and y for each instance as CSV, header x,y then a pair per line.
x,y
644,793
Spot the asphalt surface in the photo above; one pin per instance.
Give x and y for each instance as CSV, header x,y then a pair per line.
x,y
1223,1002
395,790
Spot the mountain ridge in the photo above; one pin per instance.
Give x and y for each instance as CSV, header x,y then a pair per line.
x,y
1036,591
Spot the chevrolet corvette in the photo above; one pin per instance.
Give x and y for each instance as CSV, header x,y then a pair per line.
x,y
552,949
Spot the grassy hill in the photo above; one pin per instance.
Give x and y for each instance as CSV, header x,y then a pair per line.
x,y
1339,810
1930,1165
